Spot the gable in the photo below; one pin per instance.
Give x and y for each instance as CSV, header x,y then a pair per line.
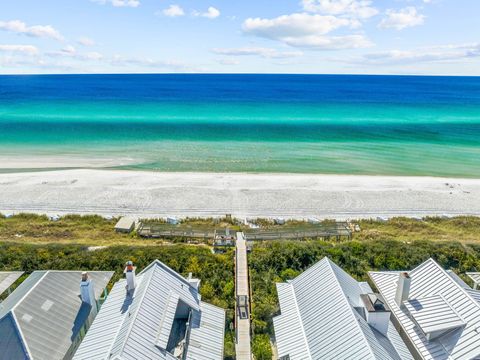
x,y
11,344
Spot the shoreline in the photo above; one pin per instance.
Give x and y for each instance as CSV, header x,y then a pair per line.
x,y
296,196
11,165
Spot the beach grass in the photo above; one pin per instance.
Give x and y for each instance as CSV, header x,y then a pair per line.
x,y
91,230
464,229
94,230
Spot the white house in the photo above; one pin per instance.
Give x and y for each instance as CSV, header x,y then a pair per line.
x,y
157,314
437,314
327,314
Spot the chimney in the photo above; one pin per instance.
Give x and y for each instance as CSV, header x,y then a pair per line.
x,y
130,276
403,288
377,312
193,282
87,292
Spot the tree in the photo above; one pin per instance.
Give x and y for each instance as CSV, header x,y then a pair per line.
x,y
261,348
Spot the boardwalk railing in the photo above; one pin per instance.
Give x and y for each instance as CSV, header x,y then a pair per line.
x,y
337,231
326,232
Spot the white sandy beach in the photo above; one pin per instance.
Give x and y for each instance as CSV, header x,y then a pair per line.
x,y
155,194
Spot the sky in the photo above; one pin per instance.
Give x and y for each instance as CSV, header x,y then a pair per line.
x,y
424,37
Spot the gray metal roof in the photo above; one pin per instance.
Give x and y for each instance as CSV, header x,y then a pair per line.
x,y
475,276
137,326
125,223
429,282
319,319
44,315
458,279
7,278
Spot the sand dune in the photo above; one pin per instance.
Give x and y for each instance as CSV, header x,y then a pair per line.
x,y
151,194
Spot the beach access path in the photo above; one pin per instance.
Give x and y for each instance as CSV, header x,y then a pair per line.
x,y
242,345
154,194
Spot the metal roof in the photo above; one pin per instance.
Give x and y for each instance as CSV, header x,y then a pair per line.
x,y
137,325
205,340
475,276
458,279
7,278
319,319
125,223
428,281
433,314
44,315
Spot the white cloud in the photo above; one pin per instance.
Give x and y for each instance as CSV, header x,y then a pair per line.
x,y
85,41
20,49
41,31
294,25
173,11
401,19
92,56
174,65
257,51
228,61
306,30
70,51
443,53
119,3
330,42
361,9
211,13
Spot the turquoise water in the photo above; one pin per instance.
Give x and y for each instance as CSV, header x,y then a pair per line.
x,y
380,125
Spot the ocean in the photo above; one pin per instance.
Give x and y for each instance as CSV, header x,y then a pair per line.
x,y
326,124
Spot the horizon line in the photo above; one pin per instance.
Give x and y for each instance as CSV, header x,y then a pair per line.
x,y
240,73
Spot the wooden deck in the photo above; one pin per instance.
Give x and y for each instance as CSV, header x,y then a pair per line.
x,y
242,346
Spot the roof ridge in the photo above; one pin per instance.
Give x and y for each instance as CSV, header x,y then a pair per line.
x,y
169,269
300,316
119,328
477,304
351,310
142,296
30,290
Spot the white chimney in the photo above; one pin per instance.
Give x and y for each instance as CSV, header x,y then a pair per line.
x,y
403,288
194,282
130,276
377,313
87,292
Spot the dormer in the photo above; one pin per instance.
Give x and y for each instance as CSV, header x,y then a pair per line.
x,y
433,315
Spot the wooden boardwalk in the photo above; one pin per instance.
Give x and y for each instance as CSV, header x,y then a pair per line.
x,y
242,346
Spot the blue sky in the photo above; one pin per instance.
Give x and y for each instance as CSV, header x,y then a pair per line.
x,y
253,36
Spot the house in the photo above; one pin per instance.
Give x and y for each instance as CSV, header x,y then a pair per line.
x,y
47,315
438,315
157,314
125,225
326,314
7,278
